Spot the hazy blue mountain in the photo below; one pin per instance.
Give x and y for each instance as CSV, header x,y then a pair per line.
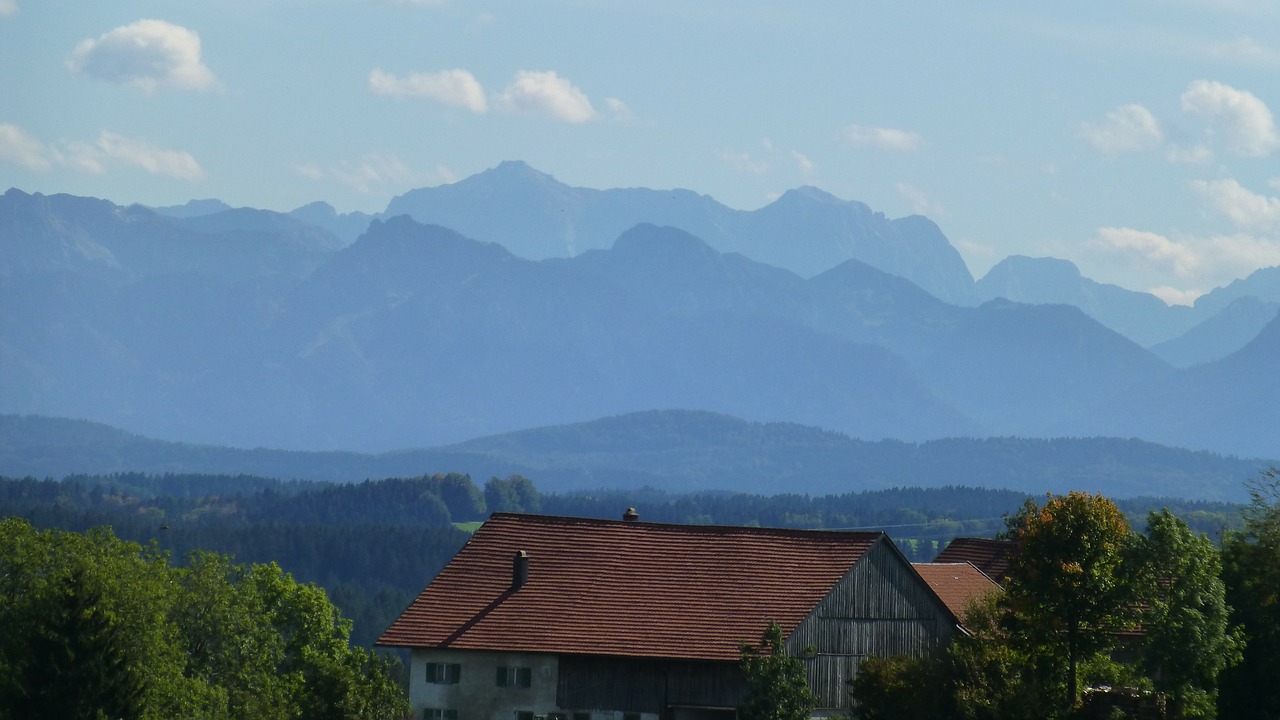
x,y
87,236
1263,284
1231,329
806,231
1231,405
344,226
484,342
1142,317
251,328
1032,369
673,450
193,208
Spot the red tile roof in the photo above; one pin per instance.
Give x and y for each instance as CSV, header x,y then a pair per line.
x,y
625,588
956,584
988,555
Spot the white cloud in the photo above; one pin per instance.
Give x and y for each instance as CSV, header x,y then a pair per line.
x,y
1207,262
8,8
1246,209
155,160
882,138
805,165
1125,129
1150,247
920,203
1174,296
147,53
374,170
744,163
1243,119
1274,183
458,88
619,110
19,148
546,93
1193,155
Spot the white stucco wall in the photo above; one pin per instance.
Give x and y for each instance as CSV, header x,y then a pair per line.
x,y
477,695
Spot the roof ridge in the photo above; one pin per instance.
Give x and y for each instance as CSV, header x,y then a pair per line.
x,y
685,527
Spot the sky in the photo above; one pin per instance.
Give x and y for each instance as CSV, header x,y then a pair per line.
x,y
1136,138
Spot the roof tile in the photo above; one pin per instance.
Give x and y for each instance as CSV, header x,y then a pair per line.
x,y
625,588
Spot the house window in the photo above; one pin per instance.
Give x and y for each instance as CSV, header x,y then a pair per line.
x,y
439,714
524,715
517,677
582,716
630,716
444,673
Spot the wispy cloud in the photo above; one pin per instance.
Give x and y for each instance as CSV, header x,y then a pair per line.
x,y
920,203
8,8
458,88
147,53
1127,128
619,110
110,149
1246,209
375,171
803,163
1201,261
543,93
1190,155
116,148
744,163
880,137
1244,121
17,147
1150,247
546,93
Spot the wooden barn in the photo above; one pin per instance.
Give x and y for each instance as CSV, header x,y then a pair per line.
x,y
578,619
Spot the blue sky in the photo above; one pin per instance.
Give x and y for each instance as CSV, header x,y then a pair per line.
x,y
1137,139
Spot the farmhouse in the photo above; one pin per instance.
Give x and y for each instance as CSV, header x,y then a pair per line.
x,y
580,619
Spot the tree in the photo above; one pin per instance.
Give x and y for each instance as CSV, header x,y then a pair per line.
x,y
1186,641
515,493
96,627
888,688
1251,572
1066,588
777,688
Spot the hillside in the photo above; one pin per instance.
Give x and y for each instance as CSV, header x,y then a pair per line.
x,y
671,451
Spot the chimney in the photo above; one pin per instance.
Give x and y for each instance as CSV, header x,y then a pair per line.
x,y
631,515
519,570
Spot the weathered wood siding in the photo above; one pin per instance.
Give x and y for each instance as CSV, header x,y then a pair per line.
x,y
880,607
645,684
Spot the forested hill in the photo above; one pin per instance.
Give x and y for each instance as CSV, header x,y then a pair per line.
x,y
665,450
373,545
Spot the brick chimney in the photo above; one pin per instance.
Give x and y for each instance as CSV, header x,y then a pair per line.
x,y
519,570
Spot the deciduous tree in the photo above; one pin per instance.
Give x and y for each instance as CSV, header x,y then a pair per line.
x,y
1186,640
1066,588
777,688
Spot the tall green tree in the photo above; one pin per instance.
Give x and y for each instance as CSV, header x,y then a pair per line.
x,y
96,627
1066,587
777,686
1187,640
1251,571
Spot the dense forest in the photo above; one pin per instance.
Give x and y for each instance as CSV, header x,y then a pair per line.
x,y
374,545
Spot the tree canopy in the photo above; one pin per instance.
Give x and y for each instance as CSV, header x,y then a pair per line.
x,y
98,627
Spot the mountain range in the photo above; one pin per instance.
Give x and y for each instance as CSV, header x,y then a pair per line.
x,y
509,301
668,451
